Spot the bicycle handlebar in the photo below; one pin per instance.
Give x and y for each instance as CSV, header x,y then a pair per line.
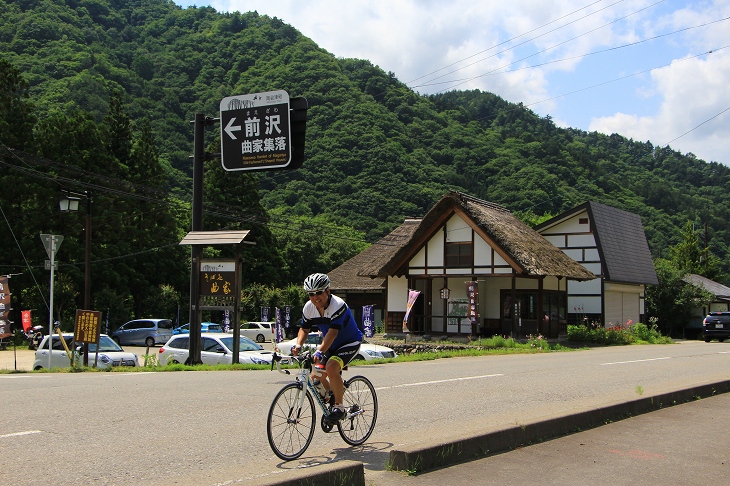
x,y
304,359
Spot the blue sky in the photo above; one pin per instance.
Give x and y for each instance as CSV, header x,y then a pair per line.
x,y
640,68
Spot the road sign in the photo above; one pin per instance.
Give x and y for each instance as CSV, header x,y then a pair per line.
x,y
48,265
262,131
52,244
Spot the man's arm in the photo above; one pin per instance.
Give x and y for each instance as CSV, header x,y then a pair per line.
x,y
301,338
329,338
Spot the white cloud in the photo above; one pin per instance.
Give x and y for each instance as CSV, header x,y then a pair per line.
x,y
506,48
693,93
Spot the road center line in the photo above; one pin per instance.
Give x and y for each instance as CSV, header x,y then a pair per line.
x,y
438,381
17,434
635,361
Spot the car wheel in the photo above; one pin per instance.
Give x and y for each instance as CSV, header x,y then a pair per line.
x,y
722,340
707,340
149,342
260,338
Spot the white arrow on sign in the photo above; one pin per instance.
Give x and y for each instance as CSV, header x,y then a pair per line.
x,y
230,128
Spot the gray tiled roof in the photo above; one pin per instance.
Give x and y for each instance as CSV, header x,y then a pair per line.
x,y
718,290
621,242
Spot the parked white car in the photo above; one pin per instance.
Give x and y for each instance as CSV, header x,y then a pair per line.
x,y
109,353
258,331
367,351
216,348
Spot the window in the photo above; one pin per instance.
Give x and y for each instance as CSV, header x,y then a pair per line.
x,y
459,254
179,343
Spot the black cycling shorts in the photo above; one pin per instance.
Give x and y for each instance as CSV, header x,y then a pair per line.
x,y
344,354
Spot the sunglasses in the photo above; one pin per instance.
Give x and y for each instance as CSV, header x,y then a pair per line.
x,y
312,294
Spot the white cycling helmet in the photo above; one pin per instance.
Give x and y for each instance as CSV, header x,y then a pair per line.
x,y
316,282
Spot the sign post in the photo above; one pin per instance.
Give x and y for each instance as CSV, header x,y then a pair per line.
x,y
52,243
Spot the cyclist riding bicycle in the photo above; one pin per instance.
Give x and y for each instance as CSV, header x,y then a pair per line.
x,y
341,336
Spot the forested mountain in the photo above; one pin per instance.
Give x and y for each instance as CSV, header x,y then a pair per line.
x,y
97,95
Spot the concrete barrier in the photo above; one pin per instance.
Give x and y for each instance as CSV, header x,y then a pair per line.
x,y
425,457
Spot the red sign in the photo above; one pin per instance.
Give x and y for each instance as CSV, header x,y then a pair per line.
x,y
25,317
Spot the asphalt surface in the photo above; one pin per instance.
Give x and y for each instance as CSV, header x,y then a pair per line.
x,y
676,437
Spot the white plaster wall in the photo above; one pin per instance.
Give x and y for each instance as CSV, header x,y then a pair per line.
x,y
419,260
457,230
583,241
397,294
584,304
482,252
436,250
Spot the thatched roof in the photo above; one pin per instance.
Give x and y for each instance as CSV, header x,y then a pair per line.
x,y
347,276
527,251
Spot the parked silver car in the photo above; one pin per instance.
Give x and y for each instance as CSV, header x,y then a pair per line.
x,y
144,332
109,353
258,331
215,348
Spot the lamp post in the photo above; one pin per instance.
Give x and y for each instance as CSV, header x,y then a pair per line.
x,y
70,202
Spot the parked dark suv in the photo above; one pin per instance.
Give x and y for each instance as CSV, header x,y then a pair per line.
x,y
716,326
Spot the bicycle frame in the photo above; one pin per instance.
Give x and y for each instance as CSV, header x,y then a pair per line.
x,y
304,377
292,416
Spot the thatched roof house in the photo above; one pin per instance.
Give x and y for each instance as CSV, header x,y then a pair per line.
x,y
528,253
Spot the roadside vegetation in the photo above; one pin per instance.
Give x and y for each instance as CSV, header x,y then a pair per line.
x,y
628,333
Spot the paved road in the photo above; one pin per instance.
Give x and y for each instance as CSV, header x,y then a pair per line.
x,y
209,427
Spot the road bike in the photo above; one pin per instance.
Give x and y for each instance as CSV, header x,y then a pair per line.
x,y
292,416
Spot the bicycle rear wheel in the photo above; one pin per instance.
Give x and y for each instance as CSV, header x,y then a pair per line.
x,y
361,405
290,428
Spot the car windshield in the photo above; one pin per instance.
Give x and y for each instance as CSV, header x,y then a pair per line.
x,y
245,344
314,338
106,344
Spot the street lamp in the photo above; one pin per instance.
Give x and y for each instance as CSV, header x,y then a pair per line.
x,y
71,203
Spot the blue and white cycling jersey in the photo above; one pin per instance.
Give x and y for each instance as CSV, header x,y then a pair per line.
x,y
338,316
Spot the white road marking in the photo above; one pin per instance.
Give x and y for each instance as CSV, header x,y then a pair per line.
x,y
635,361
438,381
17,434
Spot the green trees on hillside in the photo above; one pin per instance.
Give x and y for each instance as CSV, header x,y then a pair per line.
x,y
115,84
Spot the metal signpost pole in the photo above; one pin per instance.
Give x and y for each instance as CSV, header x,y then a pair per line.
x,y
52,243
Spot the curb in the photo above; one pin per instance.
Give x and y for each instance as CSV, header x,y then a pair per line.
x,y
350,473
424,458
437,455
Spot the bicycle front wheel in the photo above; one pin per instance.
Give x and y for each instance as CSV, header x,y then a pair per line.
x,y
290,427
361,405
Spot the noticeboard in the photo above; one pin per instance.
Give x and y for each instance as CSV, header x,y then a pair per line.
x,y
88,326
217,277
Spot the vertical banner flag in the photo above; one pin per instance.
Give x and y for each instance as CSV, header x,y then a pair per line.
x,y
25,318
287,316
108,311
279,329
226,321
367,320
412,296
264,314
4,307
472,295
